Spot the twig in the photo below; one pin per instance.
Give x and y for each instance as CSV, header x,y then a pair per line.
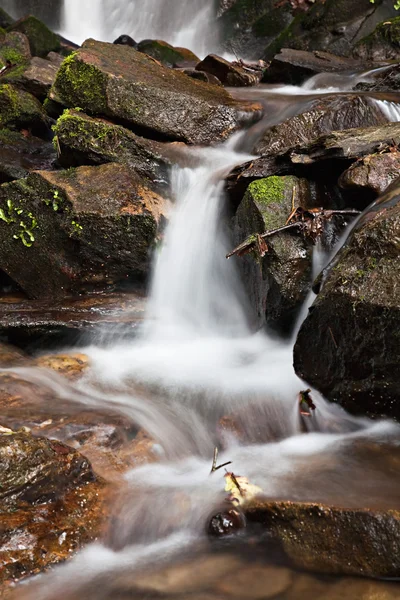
x,y
333,337
214,463
249,242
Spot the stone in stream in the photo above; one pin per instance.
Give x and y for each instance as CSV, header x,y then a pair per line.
x,y
227,73
382,44
126,40
66,231
374,172
41,39
296,66
166,54
278,283
125,85
354,323
21,153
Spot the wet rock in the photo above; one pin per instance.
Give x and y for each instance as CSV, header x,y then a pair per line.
x,y
41,39
331,113
55,58
37,78
382,44
296,66
118,82
71,366
374,172
228,73
385,80
66,231
165,53
19,109
334,26
11,356
357,588
350,144
202,76
38,322
320,538
267,582
278,283
126,40
249,26
355,319
14,49
84,140
21,153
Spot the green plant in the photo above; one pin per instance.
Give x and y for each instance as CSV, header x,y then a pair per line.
x,y
396,4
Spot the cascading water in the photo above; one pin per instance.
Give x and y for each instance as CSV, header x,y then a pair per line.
x,y
189,24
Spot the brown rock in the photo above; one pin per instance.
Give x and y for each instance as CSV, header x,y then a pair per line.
x,y
227,73
71,366
21,153
256,582
38,77
374,172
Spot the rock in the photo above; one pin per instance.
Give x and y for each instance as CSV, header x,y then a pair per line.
x,y
267,582
228,73
321,538
329,113
278,283
126,40
382,44
41,39
55,58
354,321
385,80
165,53
202,76
21,153
296,66
14,47
250,26
37,78
84,140
69,320
350,588
118,82
374,172
334,26
350,144
71,366
64,231
19,109
11,356
5,19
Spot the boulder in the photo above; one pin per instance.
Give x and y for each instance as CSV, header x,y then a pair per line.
x,y
37,78
19,109
14,47
121,83
228,73
329,113
334,540
126,40
334,26
202,76
382,44
278,283
64,231
165,53
355,321
41,39
5,19
374,172
22,153
296,66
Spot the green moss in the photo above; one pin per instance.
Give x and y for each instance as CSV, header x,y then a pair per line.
x,y
24,223
18,108
270,189
41,39
81,84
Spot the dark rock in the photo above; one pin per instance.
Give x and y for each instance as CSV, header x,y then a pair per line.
x,y
19,109
165,53
41,39
374,172
66,231
118,82
329,113
320,538
37,78
228,73
355,320
278,283
20,154
382,44
126,40
334,26
202,76
5,19
39,323
296,66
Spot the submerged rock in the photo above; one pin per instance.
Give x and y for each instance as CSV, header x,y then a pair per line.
x,y
64,231
278,283
355,320
121,83
382,44
71,366
321,538
41,39
228,73
374,172
165,53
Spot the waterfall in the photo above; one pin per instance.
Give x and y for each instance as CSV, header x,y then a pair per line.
x,y
190,24
391,110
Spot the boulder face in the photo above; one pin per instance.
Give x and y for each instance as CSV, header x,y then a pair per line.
x,y
19,109
382,44
374,172
20,154
228,73
66,231
165,53
348,346
278,283
41,39
118,82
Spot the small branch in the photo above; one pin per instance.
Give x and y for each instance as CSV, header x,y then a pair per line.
x,y
214,463
250,242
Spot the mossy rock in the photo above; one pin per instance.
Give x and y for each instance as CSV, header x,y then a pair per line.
x,y
41,39
356,362
19,109
116,81
165,53
277,283
70,231
5,19
14,49
382,44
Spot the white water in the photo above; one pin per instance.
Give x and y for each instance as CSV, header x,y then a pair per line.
x,y
190,24
391,110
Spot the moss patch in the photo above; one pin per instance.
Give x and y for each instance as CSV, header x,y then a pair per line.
x,y
18,108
